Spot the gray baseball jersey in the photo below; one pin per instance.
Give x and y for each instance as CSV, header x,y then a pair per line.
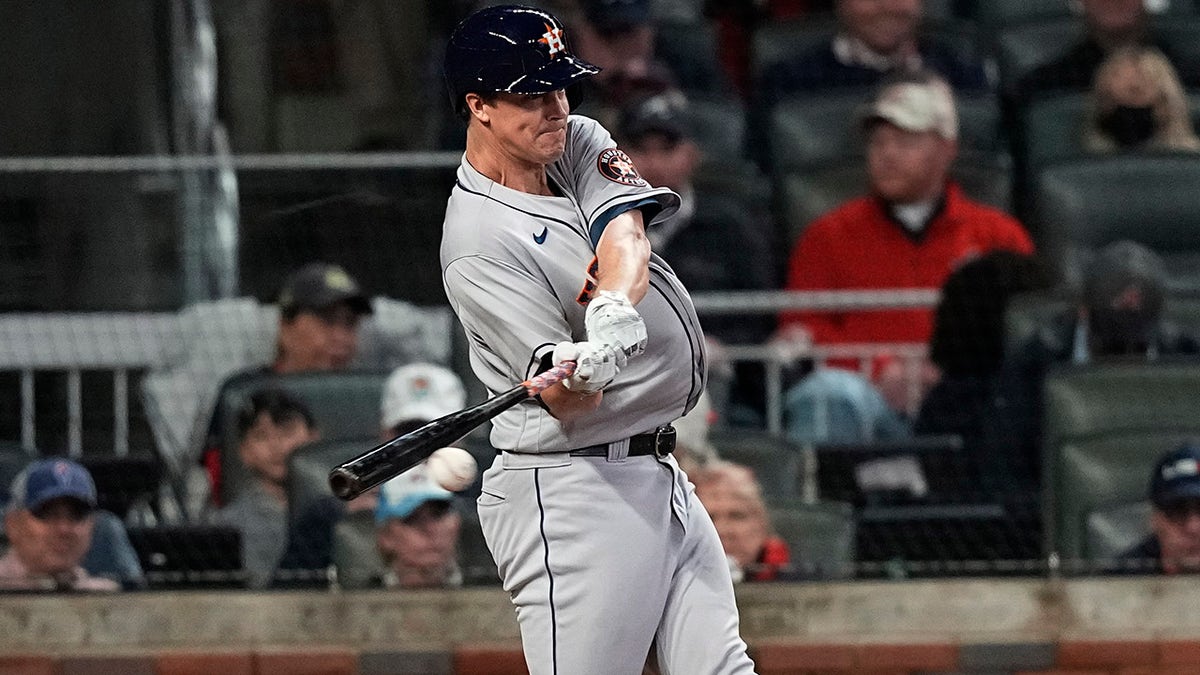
x,y
601,555
516,270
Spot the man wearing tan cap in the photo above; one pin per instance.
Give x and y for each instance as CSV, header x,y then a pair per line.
x,y
910,232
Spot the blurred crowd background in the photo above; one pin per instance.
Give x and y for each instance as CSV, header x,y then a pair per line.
x,y
946,252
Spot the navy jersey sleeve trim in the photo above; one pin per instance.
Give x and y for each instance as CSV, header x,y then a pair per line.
x,y
649,206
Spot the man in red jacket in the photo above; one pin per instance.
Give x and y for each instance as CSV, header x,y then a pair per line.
x,y
910,232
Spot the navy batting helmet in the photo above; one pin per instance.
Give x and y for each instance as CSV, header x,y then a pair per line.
x,y
509,48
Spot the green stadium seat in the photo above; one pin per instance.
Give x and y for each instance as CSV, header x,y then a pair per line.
x,y
1114,529
355,555
1151,198
810,130
309,467
1103,427
1093,473
776,461
1021,47
719,125
345,405
820,537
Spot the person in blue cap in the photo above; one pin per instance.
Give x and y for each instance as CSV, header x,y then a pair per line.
x,y
49,522
1173,547
416,532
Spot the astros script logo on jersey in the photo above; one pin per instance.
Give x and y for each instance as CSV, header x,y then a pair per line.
x,y
553,38
617,167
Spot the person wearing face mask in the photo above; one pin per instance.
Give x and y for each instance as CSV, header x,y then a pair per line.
x,y
1137,102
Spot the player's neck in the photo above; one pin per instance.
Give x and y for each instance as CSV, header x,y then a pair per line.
x,y
504,169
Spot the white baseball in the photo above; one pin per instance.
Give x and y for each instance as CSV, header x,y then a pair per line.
x,y
452,468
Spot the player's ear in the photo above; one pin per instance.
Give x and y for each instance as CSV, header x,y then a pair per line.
x,y
476,108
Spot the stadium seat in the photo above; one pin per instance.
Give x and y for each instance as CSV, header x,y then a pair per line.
x,y
355,555
776,461
1094,473
995,13
1153,199
1103,427
804,195
1051,130
345,405
719,125
1027,312
1115,528
810,130
690,49
820,537
309,467
1021,47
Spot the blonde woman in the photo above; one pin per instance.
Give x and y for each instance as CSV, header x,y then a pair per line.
x,y
1137,102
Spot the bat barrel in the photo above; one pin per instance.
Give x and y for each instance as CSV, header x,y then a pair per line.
x,y
344,483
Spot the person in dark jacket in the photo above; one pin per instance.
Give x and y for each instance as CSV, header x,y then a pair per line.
x,y
1173,547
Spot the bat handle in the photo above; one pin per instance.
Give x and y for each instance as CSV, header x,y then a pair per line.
x,y
543,381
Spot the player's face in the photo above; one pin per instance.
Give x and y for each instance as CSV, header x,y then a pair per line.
x,y
424,540
267,445
884,25
1113,16
740,522
53,539
530,128
907,166
324,340
1177,527
664,162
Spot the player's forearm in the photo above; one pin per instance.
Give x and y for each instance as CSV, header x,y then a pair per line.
x,y
567,405
623,254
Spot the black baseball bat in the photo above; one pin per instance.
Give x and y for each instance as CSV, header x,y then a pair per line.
x,y
375,466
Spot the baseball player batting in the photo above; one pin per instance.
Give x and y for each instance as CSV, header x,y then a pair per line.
x,y
596,533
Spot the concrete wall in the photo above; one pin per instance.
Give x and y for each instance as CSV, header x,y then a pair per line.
x,y
1126,626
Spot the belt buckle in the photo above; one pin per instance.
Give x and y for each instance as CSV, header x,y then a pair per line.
x,y
664,440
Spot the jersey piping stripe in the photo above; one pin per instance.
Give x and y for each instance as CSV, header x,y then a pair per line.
x,y
539,216
537,486
698,363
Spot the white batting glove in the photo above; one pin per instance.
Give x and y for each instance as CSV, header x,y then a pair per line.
x,y
595,365
610,319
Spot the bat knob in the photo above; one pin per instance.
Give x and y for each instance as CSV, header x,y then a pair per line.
x,y
344,484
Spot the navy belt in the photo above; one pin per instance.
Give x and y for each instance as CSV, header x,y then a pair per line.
x,y
660,443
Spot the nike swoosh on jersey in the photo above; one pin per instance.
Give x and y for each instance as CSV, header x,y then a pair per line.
x,y
541,238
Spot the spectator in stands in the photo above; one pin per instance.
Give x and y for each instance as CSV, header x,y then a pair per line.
x,y
968,341
270,427
1137,102
1118,314
913,229
719,240
874,38
1173,546
320,308
733,499
49,522
1108,25
623,38
413,395
416,532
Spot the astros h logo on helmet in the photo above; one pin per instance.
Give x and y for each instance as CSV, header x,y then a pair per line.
x,y
553,38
